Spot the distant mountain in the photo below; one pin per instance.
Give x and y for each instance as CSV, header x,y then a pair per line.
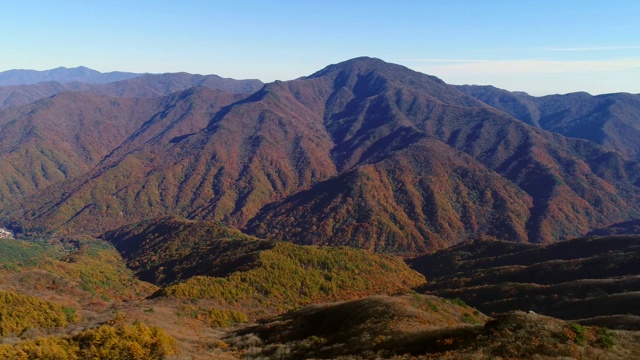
x,y
151,85
612,120
62,75
593,279
66,135
16,95
361,153
148,85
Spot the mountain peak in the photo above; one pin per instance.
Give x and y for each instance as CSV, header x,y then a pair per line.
x,y
359,64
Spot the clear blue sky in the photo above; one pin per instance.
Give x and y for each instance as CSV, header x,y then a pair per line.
x,y
539,46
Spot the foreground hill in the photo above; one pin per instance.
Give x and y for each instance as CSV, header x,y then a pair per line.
x,y
609,119
223,267
424,327
370,327
73,297
590,278
413,164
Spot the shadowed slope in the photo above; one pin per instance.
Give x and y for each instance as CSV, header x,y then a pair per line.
x,y
166,250
424,327
575,279
206,262
627,227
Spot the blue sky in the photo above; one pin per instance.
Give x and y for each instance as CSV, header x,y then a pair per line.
x,y
541,47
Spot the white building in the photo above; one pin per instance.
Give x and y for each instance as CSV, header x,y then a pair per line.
x,y
5,234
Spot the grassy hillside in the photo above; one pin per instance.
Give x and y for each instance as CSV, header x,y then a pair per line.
x,y
57,294
16,253
74,270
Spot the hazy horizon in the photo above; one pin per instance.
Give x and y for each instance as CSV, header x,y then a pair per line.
x,y
545,47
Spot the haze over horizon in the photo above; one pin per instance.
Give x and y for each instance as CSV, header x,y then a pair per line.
x,y
541,48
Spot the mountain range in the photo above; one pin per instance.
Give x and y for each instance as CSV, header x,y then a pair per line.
x,y
62,75
361,153
144,85
144,218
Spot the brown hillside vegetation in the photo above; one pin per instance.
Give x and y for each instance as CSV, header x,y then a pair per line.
x,y
424,327
365,327
108,314
62,137
576,279
423,197
349,124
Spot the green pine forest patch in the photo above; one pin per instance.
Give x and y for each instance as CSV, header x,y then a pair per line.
x,y
291,275
19,313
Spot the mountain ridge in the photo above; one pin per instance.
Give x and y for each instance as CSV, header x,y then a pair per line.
x,y
63,75
145,85
256,154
